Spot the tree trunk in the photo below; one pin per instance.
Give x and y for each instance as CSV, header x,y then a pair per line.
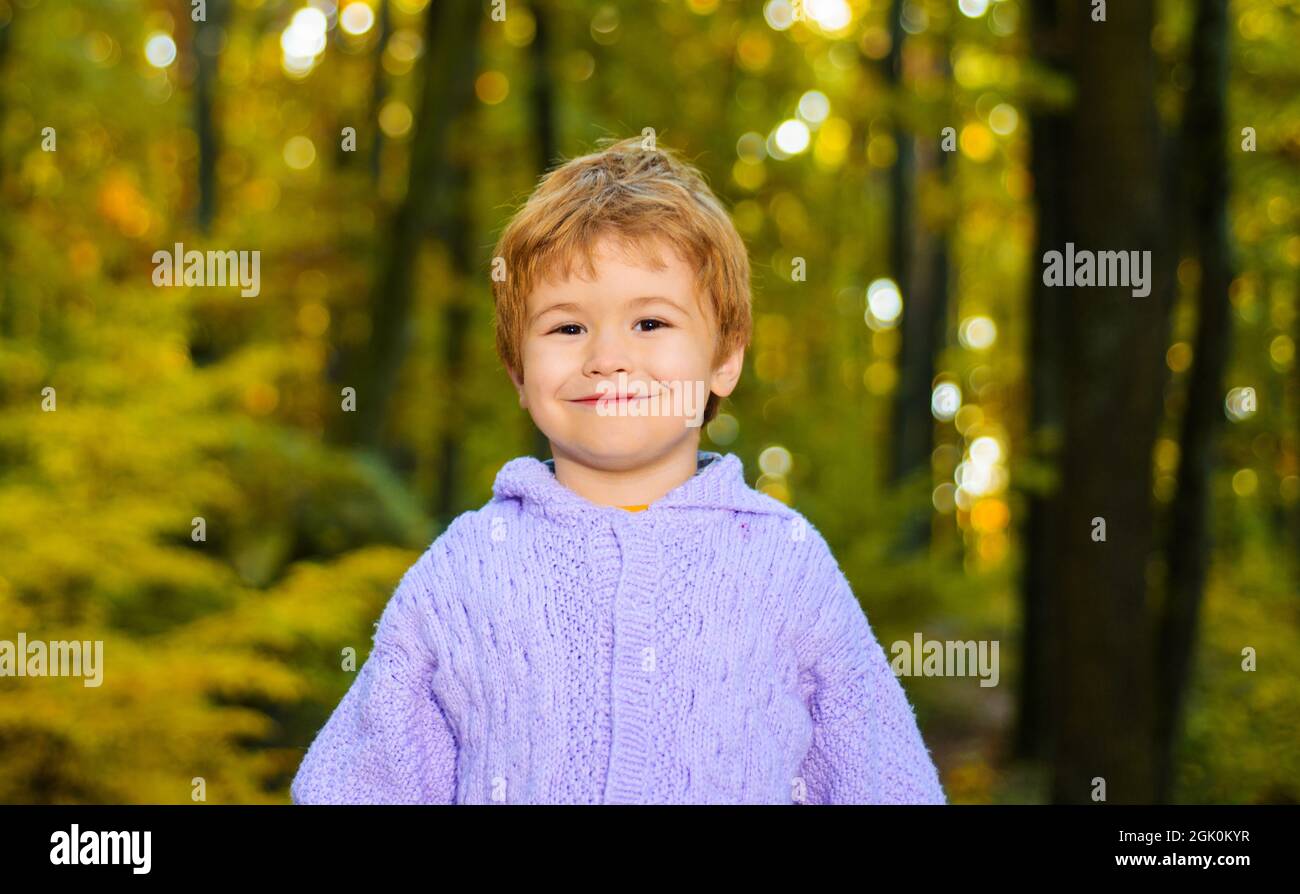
x,y
206,44
1190,541
1049,135
447,71
919,263
1113,356
924,285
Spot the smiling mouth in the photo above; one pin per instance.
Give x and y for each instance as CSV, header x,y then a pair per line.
x,y
592,401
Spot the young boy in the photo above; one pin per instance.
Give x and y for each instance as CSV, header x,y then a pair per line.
x,y
629,621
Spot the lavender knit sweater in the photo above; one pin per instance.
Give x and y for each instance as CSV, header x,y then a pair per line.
x,y
546,649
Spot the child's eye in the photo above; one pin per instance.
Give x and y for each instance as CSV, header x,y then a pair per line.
x,y
566,326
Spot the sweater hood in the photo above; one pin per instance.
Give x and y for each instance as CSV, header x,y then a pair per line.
x,y
719,483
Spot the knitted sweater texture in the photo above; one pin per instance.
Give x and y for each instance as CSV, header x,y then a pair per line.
x,y
549,650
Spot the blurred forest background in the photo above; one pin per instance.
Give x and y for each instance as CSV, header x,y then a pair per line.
x,y
950,425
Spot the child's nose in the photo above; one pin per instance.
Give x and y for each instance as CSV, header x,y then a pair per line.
x,y
608,355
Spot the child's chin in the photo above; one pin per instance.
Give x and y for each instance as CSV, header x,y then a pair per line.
x,y
627,438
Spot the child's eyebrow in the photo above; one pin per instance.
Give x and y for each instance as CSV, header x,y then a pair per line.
x,y
563,305
635,302
650,299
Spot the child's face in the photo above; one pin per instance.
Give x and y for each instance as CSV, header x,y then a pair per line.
x,y
631,327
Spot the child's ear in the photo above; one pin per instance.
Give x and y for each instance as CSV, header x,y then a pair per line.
x,y
519,387
726,375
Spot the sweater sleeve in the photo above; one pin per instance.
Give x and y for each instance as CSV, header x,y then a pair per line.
x,y
388,740
866,746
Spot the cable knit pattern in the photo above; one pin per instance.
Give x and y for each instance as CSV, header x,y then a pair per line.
x,y
546,649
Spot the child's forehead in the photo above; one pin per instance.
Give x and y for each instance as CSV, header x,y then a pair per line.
x,y
650,255
590,260
651,266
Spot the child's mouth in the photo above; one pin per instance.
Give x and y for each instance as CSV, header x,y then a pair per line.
x,y
592,401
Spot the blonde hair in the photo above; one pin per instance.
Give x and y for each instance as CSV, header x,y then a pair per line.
x,y
638,195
